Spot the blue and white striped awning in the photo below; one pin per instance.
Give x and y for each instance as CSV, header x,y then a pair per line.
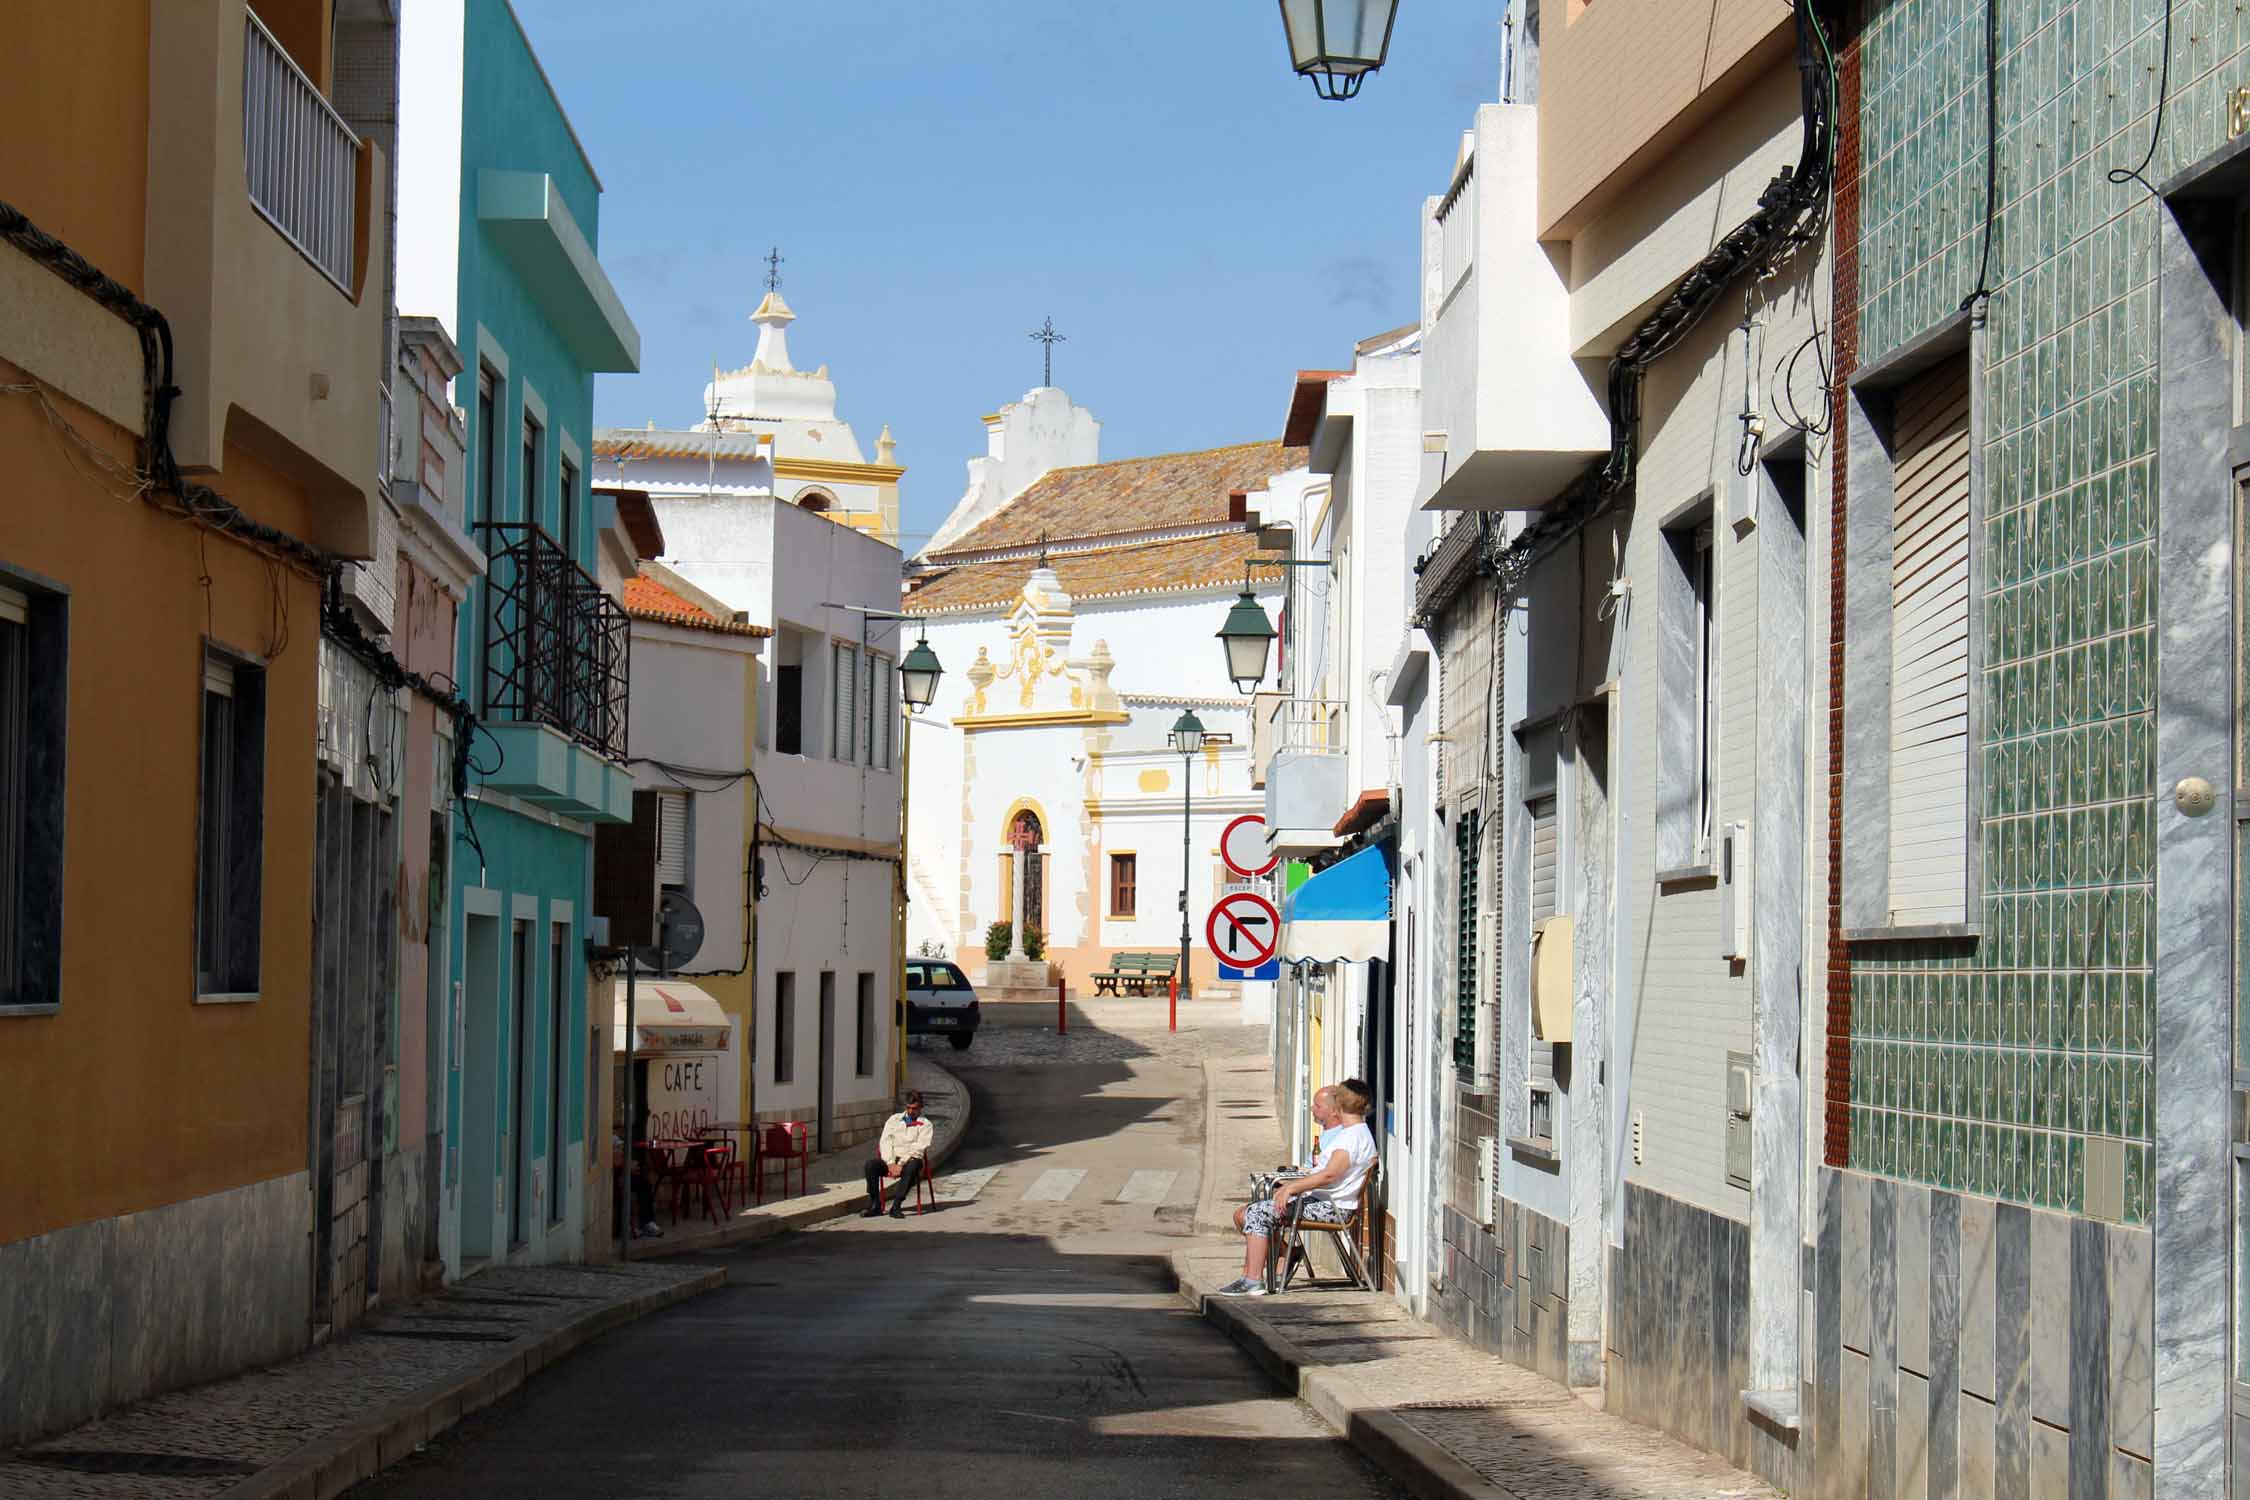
x,y
1341,915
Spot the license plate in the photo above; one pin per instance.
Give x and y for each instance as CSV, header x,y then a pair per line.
x,y
945,1020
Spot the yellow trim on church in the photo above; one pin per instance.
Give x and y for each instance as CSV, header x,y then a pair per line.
x,y
836,471
1048,716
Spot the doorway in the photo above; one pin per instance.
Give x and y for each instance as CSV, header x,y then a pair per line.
x,y
827,1084
519,1087
480,1076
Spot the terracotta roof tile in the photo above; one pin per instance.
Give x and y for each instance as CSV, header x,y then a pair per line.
x,y
1131,494
646,599
1107,572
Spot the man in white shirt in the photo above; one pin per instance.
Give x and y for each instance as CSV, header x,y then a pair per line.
x,y
901,1153
1330,1192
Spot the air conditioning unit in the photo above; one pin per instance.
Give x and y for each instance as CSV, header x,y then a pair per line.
x,y
1734,892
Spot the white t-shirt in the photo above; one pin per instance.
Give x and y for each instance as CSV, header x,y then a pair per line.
x,y
1357,1143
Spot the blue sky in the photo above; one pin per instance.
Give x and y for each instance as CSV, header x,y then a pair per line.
x,y
941,176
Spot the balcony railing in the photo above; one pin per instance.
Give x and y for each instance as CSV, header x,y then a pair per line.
x,y
556,647
1306,726
301,159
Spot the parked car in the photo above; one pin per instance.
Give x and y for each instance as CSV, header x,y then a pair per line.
x,y
940,1001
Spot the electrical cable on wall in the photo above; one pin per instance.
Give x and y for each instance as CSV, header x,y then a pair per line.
x,y
2123,175
1982,291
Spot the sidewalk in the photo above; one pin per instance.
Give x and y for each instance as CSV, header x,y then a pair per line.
x,y
312,1426
1442,1418
838,1188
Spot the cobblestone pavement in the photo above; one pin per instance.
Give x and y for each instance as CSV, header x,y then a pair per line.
x,y
1092,1041
1520,1430
255,1420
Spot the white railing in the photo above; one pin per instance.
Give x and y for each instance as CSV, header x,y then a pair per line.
x,y
301,160
1307,726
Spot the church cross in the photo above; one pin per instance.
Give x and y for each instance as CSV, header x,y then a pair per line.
x,y
1046,335
1042,549
774,261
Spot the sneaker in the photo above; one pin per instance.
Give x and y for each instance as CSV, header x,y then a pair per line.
x,y
1242,1286
649,1231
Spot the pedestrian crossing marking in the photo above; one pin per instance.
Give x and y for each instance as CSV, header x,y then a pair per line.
x,y
1054,1185
963,1187
1147,1186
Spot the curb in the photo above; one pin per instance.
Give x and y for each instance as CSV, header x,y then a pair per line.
x,y
328,1466
1414,1460
1209,1217
839,1202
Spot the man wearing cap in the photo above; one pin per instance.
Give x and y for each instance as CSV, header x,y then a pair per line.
x,y
900,1154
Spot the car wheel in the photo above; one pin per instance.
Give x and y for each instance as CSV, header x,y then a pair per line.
x,y
961,1040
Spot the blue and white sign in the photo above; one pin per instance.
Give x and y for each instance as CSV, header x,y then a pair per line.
x,y
1270,969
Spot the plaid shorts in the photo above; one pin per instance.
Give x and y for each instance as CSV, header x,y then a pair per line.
x,y
1258,1218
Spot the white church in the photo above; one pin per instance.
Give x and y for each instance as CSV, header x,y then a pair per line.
x,y
1075,606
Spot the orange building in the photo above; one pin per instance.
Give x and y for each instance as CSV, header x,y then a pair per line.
x,y
161,553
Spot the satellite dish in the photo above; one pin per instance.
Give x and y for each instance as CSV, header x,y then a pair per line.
x,y
679,935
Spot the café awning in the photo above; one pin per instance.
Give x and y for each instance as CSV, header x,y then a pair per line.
x,y
669,1015
1341,915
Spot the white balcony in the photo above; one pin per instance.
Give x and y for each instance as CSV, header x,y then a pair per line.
x,y
1308,774
1519,413
300,158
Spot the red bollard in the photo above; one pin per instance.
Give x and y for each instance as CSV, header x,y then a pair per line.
x,y
1175,1002
1062,1009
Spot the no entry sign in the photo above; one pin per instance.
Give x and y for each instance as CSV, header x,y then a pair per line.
x,y
1244,930
1242,844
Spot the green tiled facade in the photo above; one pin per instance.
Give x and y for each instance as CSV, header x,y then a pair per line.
x,y
1986,1068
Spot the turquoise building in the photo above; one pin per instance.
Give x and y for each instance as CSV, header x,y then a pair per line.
x,y
499,217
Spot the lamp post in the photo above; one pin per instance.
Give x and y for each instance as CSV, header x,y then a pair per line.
x,y
918,674
1337,43
1187,738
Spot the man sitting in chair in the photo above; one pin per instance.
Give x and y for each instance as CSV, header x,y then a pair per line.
x,y
1329,1188
906,1141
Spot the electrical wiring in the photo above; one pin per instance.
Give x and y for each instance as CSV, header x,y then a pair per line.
x,y
2122,175
1982,291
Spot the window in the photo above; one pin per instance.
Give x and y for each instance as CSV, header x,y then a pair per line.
x,y
534,475
1930,648
846,701
1687,694
1545,902
784,1028
230,828
1124,880
882,713
566,510
863,1051
1910,656
675,839
1468,856
488,444
33,675
558,1062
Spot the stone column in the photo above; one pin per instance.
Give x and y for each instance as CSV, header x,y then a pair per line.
x,y
1019,867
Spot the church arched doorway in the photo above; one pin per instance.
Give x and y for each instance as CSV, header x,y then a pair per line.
x,y
1026,837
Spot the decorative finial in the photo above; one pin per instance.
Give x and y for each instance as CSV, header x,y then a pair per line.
x,y
774,261
1046,335
1042,549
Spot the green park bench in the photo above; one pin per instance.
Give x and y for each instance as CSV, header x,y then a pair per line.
x,y
1135,973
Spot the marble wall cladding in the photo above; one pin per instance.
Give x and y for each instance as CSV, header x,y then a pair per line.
x,y
1986,1067
2056,1399
1680,1332
1503,1289
118,1309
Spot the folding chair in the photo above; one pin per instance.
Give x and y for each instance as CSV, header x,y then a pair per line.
x,y
1346,1235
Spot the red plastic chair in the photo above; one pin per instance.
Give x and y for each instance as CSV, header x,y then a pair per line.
x,y
786,1143
925,1188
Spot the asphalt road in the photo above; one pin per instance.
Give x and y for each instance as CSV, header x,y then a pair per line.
x,y
1005,1347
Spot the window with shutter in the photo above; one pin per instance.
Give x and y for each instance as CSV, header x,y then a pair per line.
x,y
1929,769
1468,856
1545,868
675,821
846,702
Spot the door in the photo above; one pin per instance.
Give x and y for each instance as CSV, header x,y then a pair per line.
x,y
524,1054
827,1114
480,1081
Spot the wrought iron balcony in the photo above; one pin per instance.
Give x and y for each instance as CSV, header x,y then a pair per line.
x,y
556,647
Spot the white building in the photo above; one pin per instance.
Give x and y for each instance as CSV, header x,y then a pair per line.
x,y
768,429
825,747
1022,442
1077,622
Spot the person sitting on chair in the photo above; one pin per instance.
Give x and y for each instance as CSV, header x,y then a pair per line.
x,y
1329,1192
906,1141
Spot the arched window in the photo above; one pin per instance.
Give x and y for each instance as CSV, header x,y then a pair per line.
x,y
816,500
1025,836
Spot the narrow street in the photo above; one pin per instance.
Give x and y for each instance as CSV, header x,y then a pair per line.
x,y
1022,1338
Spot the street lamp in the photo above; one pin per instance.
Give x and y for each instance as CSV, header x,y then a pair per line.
x,y
1248,636
1337,43
1187,738
918,675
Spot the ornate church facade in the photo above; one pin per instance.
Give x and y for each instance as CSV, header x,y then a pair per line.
x,y
1077,619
